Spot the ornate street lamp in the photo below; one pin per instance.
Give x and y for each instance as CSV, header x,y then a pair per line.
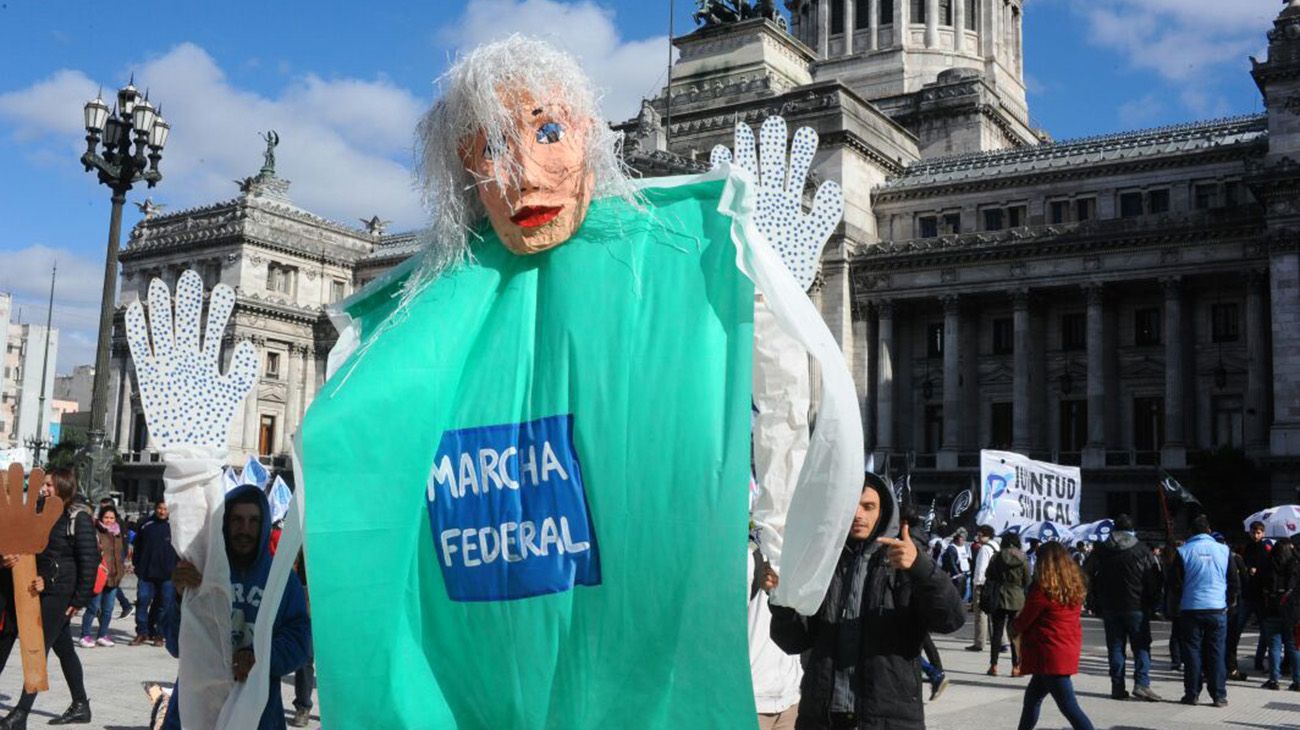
x,y
134,119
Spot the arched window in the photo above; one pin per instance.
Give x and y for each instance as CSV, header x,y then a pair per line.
x,y
972,14
861,14
918,11
837,16
945,12
886,12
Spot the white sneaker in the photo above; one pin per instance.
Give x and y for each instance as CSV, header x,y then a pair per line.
x,y
104,641
87,642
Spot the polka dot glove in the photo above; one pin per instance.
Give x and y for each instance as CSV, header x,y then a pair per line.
x,y
187,401
797,236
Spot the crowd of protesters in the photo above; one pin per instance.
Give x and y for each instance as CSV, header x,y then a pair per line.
x,y
83,567
866,653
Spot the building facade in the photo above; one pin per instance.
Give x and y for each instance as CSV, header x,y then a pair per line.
x,y
21,391
1127,303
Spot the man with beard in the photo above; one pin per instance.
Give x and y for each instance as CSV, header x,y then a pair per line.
x,y
247,530
863,644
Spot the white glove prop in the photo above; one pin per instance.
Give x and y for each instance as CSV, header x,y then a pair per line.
x,y
797,236
188,406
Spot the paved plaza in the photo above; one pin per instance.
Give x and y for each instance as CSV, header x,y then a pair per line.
x,y
974,701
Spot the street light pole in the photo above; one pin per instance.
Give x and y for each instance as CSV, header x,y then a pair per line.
x,y
118,168
38,441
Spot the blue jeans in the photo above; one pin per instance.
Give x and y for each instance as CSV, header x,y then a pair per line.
x,y
1208,629
151,599
1062,691
102,606
1276,636
1133,627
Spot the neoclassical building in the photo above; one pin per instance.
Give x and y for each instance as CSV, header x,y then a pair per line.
x,y
1128,303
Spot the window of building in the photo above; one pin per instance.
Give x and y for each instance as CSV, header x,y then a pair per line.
x,y
1148,423
281,279
1130,204
1017,215
1146,326
1000,426
934,340
1158,201
272,364
927,226
139,433
1085,209
1074,331
886,12
862,14
945,12
1074,425
1229,424
918,11
266,436
336,291
951,223
837,17
933,427
1004,340
1225,325
972,14
1235,193
993,219
1058,211
1119,503
1205,196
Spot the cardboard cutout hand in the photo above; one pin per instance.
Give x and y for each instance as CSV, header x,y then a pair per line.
x,y
796,236
23,533
187,401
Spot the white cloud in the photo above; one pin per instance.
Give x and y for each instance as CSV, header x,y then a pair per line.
x,y
25,274
1141,112
345,143
1179,39
625,70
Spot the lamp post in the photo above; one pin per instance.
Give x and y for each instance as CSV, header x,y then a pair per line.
x,y
133,118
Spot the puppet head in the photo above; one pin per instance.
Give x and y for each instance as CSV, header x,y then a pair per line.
x,y
517,138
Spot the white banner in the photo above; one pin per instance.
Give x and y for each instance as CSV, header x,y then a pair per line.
x,y
1016,490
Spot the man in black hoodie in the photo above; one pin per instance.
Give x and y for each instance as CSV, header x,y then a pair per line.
x,y
1125,583
861,669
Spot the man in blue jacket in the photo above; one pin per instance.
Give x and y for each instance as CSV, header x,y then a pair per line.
x,y
247,531
1203,589
154,561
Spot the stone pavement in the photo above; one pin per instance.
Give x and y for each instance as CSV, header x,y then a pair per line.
x,y
114,677
980,702
974,701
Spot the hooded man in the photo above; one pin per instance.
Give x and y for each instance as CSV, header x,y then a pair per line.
x,y
247,530
1125,582
862,666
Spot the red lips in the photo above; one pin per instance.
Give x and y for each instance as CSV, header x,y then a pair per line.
x,y
533,216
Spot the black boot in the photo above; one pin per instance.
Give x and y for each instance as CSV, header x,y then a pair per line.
x,y
15,720
77,714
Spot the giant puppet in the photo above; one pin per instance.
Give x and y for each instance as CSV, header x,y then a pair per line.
x,y
522,487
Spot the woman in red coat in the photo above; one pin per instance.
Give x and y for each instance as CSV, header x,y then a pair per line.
x,y
1051,636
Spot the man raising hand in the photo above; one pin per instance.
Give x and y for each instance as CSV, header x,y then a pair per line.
x,y
864,641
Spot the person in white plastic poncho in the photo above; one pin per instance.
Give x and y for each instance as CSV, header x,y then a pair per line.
x,y
559,379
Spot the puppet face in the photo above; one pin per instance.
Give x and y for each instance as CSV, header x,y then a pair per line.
x,y
545,203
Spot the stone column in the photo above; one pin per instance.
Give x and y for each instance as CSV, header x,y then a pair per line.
x,y
849,22
931,23
824,29
885,378
1021,439
837,303
1174,450
959,25
951,382
1094,452
1257,363
873,26
310,384
293,401
1284,301
902,19
251,411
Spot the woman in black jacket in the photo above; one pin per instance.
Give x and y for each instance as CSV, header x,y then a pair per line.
x,y
66,568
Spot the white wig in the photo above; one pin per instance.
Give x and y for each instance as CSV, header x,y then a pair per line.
x,y
469,105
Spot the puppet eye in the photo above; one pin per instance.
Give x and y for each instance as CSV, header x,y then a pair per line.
x,y
550,133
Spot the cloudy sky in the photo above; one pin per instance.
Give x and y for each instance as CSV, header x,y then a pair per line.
x,y
343,82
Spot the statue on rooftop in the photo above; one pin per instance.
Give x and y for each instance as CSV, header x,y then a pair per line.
x,y
268,156
721,12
